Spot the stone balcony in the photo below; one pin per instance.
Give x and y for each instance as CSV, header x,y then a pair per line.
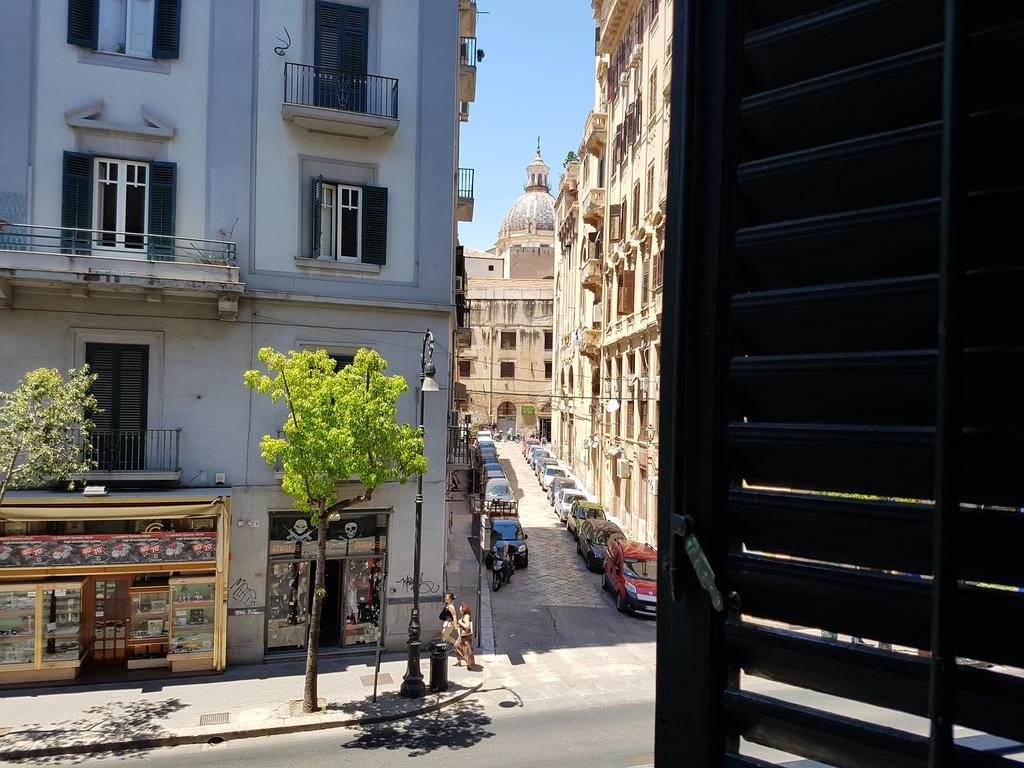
x,y
595,132
594,206
591,275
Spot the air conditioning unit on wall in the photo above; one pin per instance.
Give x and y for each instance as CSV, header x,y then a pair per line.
x,y
623,467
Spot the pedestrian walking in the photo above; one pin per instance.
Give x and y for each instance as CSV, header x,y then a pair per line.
x,y
464,649
449,619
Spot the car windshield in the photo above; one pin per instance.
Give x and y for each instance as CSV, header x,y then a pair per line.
x,y
508,532
497,489
645,570
552,470
593,513
568,496
601,537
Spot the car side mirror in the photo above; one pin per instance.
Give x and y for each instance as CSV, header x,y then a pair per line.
x,y
526,536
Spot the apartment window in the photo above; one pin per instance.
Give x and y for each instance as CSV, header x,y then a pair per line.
x,y
139,28
508,340
340,361
636,204
122,398
630,415
653,91
650,187
121,202
464,368
549,340
627,282
508,370
547,369
490,267
349,222
645,272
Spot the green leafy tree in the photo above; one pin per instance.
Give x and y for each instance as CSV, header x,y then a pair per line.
x,y
39,423
571,157
341,426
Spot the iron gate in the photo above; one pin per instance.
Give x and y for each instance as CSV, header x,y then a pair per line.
x,y
842,359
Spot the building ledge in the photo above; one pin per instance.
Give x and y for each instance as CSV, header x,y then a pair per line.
x,y
334,122
330,265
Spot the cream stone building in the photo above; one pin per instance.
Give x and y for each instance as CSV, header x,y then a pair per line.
x,y
504,355
608,268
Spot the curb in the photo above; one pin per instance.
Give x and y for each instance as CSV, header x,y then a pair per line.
x,y
326,722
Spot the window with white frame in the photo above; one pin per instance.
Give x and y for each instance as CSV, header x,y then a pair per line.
x,y
340,214
121,203
126,26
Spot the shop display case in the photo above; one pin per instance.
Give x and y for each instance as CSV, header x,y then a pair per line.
x,y
192,619
61,619
149,633
17,626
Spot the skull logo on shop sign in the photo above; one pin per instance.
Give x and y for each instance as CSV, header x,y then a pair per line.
x,y
300,531
351,529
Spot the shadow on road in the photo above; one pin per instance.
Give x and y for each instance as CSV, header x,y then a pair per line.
x,y
116,721
458,726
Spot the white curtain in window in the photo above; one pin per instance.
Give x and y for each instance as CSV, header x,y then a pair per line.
x,y
112,25
140,27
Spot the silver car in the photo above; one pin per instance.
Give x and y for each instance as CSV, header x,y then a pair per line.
x,y
564,499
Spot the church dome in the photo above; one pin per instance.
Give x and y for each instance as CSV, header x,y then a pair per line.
x,y
535,209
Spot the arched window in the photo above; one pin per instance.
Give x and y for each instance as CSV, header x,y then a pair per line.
x,y
506,409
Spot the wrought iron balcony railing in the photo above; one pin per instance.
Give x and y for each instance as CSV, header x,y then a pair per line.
x,y
466,179
322,87
130,245
134,450
468,51
458,445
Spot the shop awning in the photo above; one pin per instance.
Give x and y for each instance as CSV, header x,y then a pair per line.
x,y
86,511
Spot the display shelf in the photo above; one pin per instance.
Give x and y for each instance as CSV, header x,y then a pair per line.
x,y
192,617
18,625
61,620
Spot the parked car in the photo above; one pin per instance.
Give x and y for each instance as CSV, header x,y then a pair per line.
x,y
594,540
509,531
491,464
631,575
542,463
551,471
564,499
536,454
499,489
528,442
583,510
558,484
483,434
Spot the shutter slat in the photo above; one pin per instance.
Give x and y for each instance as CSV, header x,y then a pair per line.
x,y
83,22
328,36
375,225
166,29
316,213
162,204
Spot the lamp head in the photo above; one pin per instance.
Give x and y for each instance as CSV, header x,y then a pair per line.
x,y
429,382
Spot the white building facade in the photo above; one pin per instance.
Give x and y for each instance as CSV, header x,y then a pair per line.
x,y
184,183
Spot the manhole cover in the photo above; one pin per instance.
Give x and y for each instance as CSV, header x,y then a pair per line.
x,y
217,718
383,679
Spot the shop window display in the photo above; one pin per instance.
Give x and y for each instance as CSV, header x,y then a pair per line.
x,y
287,605
362,601
62,613
17,625
192,615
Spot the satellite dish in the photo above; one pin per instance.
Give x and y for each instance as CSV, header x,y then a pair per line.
x,y
612,406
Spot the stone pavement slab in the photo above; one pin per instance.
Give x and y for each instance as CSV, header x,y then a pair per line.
x,y
245,702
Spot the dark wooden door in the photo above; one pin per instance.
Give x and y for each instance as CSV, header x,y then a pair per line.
x,y
111,619
840,319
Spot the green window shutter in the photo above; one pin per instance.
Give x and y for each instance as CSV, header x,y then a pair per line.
x,y
355,25
375,225
166,29
316,208
83,22
163,187
328,35
122,386
76,203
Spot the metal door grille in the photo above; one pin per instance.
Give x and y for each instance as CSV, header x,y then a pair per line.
x,y
842,359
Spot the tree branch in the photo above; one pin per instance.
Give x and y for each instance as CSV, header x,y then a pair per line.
x,y
295,418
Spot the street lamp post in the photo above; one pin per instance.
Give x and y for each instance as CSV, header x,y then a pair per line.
x,y
412,682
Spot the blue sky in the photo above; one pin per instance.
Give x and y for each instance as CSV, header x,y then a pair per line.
x,y
537,78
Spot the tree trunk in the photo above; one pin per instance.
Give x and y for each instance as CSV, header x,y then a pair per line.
x,y
309,697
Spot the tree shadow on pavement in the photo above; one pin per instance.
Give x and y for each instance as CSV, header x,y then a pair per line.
x,y
457,726
116,721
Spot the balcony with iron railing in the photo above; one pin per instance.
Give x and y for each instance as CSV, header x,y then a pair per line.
x,y
134,455
338,103
100,260
469,57
458,451
464,204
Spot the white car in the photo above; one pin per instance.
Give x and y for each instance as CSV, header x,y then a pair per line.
x,y
498,489
484,434
564,499
551,471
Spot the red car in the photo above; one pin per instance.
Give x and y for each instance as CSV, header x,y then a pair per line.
x,y
528,442
631,574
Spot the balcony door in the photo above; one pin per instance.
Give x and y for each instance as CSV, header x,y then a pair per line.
x,y
121,390
340,56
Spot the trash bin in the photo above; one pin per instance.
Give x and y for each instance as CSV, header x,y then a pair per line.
x,y
439,666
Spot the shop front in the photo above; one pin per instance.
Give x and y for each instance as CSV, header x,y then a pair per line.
x,y
354,579
111,584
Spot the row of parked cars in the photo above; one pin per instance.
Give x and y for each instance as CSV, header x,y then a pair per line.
x,y
628,568
499,504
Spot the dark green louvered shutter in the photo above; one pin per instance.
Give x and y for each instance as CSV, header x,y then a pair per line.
x,y
162,195
375,225
316,208
327,54
340,52
166,29
353,58
76,202
122,397
83,22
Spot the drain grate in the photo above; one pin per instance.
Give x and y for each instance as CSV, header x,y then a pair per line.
x,y
383,679
216,718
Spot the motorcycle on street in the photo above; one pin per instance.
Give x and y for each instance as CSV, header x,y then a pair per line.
x,y
503,565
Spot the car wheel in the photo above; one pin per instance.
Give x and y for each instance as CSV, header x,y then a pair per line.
x,y
578,550
526,562
604,581
590,563
620,604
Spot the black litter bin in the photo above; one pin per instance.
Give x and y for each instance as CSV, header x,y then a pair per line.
x,y
439,666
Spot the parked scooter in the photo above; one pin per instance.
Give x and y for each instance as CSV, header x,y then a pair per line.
x,y
503,565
